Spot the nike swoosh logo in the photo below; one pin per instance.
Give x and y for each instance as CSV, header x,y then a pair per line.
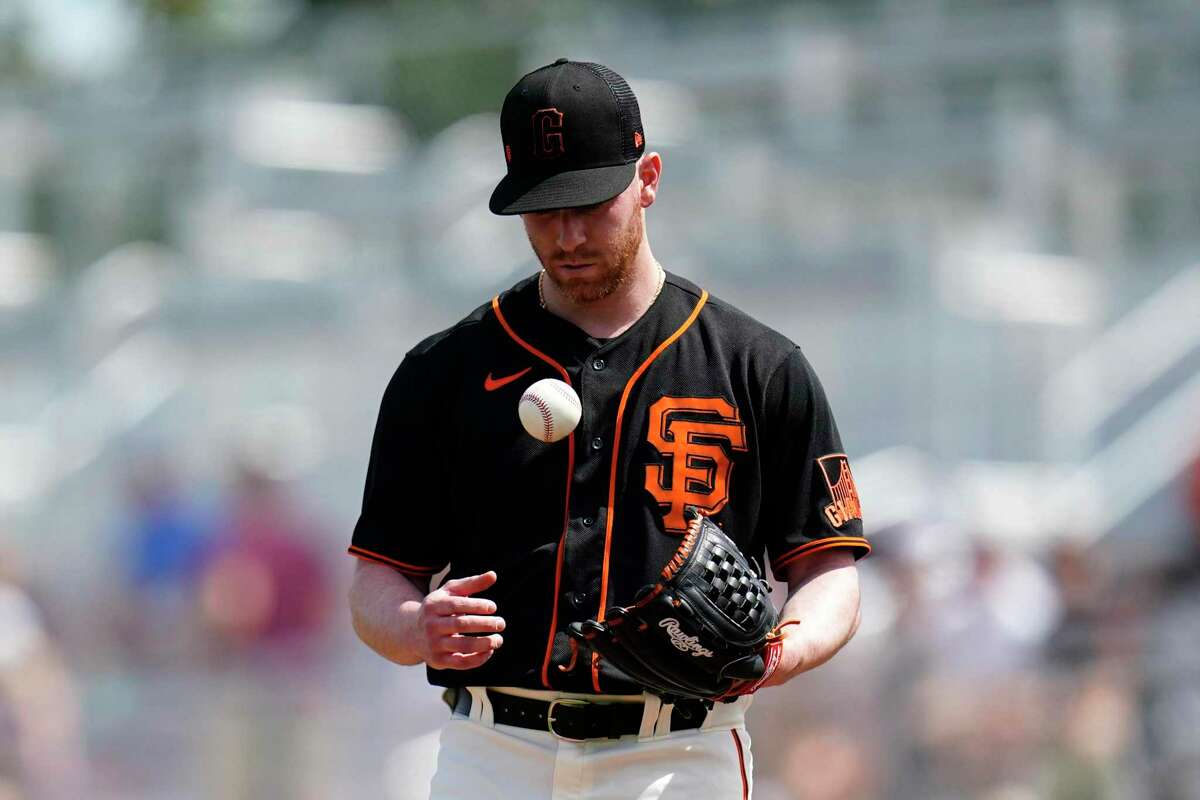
x,y
492,384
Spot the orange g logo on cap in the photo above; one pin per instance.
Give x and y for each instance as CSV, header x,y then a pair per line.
x,y
547,133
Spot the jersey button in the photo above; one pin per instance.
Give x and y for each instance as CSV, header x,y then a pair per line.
x,y
589,522
598,364
597,443
578,599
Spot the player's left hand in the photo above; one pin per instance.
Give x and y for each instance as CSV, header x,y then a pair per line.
x,y
791,664
705,631
782,657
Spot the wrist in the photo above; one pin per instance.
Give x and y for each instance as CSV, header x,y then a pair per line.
x,y
795,656
792,656
412,647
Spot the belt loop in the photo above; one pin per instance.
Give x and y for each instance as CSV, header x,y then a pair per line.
x,y
481,706
651,708
723,715
662,725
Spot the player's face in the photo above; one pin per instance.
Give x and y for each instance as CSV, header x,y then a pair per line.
x,y
588,253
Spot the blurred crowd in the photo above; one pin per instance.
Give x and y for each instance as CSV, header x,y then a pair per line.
x,y
979,218
980,671
212,650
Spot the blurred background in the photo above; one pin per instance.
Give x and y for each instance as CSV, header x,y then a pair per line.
x,y
223,223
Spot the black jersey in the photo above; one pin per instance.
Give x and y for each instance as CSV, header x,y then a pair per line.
x,y
697,404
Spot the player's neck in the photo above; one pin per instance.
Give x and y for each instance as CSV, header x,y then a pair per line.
x,y
613,315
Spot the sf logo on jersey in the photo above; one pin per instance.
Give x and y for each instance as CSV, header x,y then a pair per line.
x,y
840,482
692,435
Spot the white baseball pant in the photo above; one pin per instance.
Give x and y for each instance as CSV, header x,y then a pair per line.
x,y
478,759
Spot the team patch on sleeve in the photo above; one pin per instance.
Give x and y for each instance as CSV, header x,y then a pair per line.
x,y
840,481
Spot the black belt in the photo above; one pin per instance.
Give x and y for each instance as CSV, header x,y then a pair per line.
x,y
574,720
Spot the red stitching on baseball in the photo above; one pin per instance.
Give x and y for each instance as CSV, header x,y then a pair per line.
x,y
546,418
566,393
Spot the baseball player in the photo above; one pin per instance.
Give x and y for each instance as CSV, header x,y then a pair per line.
x,y
690,408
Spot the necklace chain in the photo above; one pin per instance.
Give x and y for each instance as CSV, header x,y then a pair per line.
x,y
662,278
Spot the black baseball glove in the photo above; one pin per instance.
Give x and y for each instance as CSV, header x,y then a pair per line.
x,y
706,630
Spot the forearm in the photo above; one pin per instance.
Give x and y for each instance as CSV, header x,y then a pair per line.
x,y
384,607
824,597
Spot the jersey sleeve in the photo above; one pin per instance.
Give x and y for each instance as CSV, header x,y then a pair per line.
x,y
399,523
810,502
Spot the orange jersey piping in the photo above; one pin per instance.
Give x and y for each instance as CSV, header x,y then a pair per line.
x,y
817,546
562,540
408,569
612,476
737,742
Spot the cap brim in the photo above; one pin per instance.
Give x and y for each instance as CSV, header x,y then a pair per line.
x,y
582,187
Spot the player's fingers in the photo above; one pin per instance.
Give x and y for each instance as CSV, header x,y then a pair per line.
x,y
472,624
445,604
453,660
471,585
470,644
464,660
451,624
478,644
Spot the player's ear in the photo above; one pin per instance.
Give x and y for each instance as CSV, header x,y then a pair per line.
x,y
649,172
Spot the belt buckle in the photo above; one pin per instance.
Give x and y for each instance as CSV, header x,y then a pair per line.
x,y
561,701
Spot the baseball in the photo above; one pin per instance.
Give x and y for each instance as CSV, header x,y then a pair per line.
x,y
549,410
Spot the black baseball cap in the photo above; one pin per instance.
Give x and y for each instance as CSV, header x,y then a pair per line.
x,y
572,136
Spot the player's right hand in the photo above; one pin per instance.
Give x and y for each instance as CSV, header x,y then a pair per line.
x,y
456,630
